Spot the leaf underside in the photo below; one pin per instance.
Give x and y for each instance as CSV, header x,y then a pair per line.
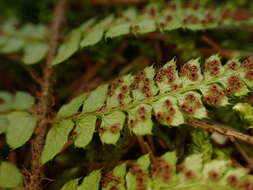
x,y
166,95
165,173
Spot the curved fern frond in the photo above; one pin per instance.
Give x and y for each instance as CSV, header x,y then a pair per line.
x,y
30,39
168,95
154,17
166,173
16,117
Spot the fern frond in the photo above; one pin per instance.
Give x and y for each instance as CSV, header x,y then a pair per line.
x,y
166,173
168,95
17,117
154,17
31,39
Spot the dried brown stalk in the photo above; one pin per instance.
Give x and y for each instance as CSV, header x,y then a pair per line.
x,y
231,133
224,52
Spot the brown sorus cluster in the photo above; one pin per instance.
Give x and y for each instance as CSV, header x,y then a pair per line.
x,y
233,65
114,128
191,103
162,169
189,174
191,72
248,65
152,12
109,177
168,115
135,29
190,20
233,180
168,18
168,73
214,95
213,67
192,5
209,18
213,175
236,15
139,175
246,185
170,6
235,83
143,83
124,89
142,115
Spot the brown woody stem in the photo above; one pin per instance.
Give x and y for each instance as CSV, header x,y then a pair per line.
x,y
36,173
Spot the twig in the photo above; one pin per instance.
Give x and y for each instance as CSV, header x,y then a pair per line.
x,y
231,133
225,53
12,157
141,143
145,148
151,143
34,182
244,154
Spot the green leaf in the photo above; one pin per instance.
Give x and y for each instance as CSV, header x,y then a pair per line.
x,y
245,111
10,176
142,163
12,45
20,122
122,25
72,107
214,95
191,105
3,124
119,92
213,68
96,99
92,38
201,144
34,53
56,139
91,182
139,120
168,82
6,101
118,30
71,185
85,128
194,163
159,182
119,172
69,47
191,72
145,85
96,34
218,166
144,26
23,100
111,122
167,111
